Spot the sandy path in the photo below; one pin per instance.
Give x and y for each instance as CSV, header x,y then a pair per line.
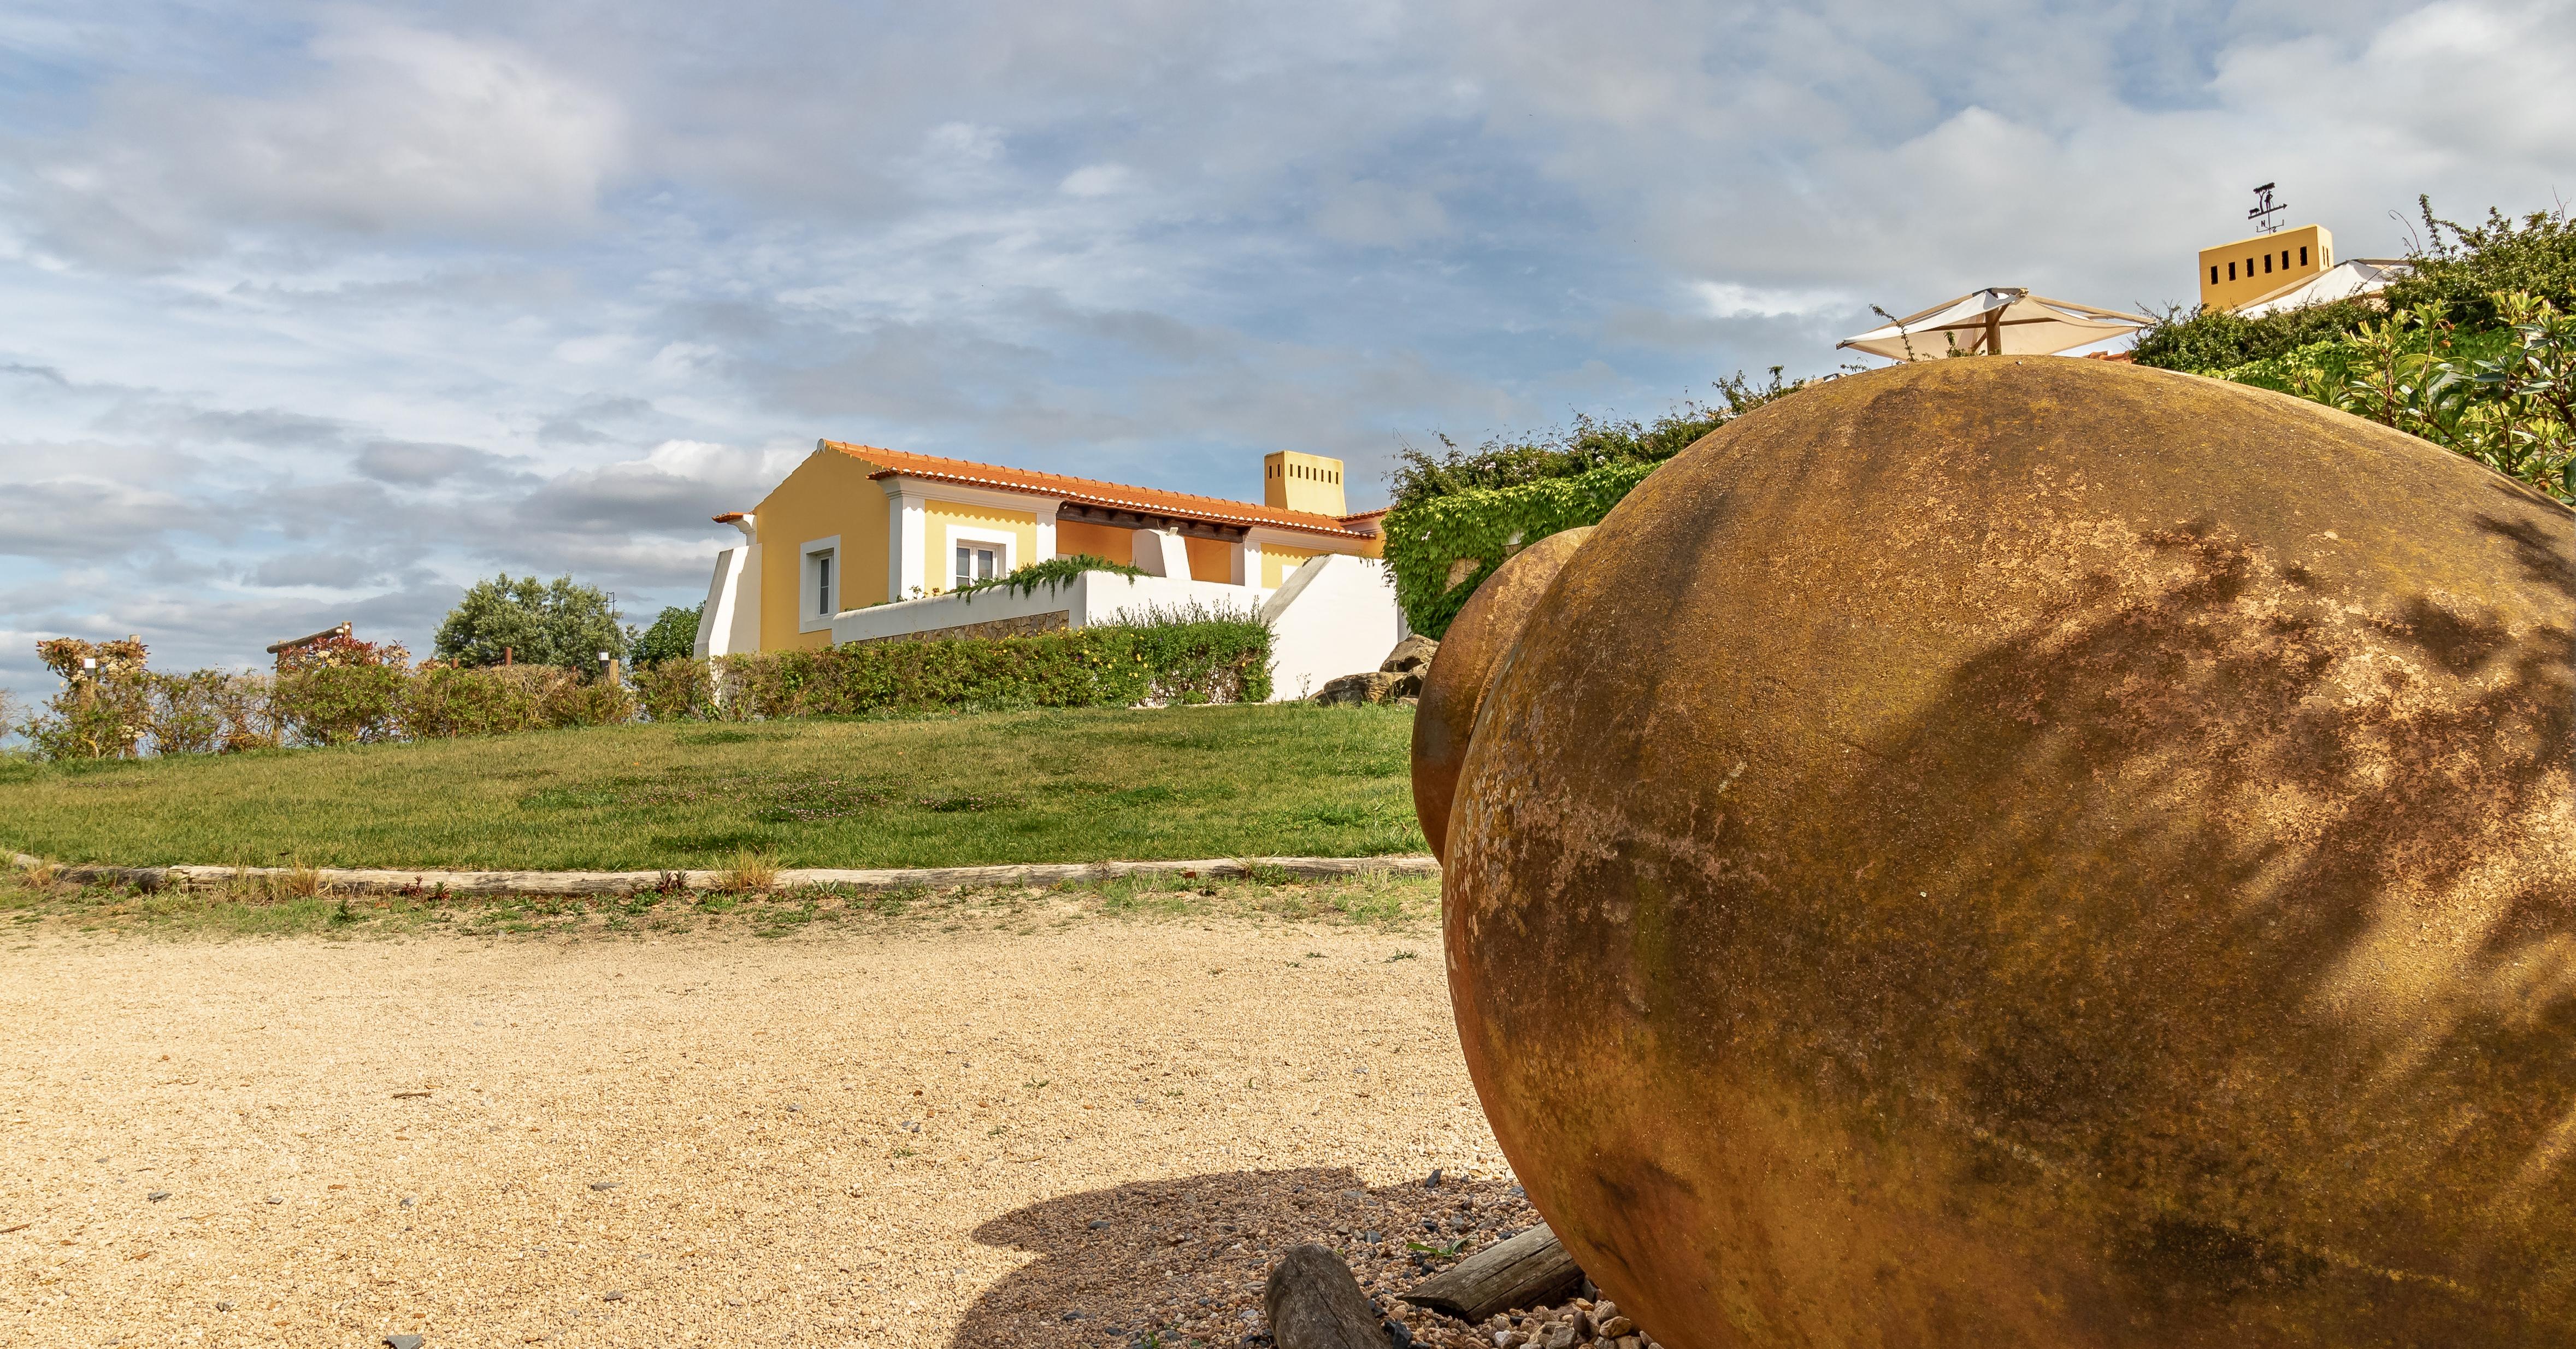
x,y
750,1105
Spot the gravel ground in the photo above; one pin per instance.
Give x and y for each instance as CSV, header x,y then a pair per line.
x,y
901,1138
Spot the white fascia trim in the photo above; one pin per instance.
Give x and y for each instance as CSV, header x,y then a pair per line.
x,y
1036,504
809,615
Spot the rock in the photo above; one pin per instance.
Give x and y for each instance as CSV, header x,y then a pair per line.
x,y
1412,656
157,1196
1313,1303
613,1295
1616,1326
2103,835
1355,690
1432,1181
606,1184
1454,687
402,1342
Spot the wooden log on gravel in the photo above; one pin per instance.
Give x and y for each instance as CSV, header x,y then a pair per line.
x,y
1529,1270
383,881
1314,1303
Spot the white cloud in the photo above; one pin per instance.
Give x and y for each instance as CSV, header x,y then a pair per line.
x,y
1097,180
312,324
401,130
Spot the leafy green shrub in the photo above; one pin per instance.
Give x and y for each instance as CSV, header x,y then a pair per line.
x,y
1441,548
212,712
340,704
2206,341
2505,397
1189,658
681,689
2469,268
1588,445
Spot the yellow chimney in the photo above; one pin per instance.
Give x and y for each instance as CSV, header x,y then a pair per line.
x,y
1303,482
2238,274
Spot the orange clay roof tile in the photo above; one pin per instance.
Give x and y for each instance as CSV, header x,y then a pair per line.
x,y
1092,492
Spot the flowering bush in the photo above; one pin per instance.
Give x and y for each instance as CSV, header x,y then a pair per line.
x,y
105,708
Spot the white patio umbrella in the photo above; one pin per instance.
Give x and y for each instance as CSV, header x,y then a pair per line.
x,y
2002,320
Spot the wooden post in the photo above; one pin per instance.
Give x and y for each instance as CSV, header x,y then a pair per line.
x,y
1529,1270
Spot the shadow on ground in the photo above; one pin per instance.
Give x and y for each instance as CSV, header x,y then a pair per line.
x,y
1182,1260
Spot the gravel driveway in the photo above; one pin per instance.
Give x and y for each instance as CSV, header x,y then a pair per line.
x,y
900,1138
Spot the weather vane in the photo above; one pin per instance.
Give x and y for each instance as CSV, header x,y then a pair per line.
x,y
2266,212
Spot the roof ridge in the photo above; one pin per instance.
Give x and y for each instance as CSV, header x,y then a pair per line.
x,y
1097,489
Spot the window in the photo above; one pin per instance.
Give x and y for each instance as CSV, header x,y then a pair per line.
x,y
2267,264
978,562
819,592
2303,255
2213,274
2231,271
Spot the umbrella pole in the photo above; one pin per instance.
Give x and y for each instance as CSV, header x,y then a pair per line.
x,y
1994,332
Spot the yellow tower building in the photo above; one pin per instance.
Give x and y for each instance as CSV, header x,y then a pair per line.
x,y
1303,482
2237,274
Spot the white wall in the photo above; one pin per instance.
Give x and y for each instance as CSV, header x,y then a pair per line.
x,y
730,620
1334,615
1094,597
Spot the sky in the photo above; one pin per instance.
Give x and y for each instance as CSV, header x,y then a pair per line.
x,y
313,312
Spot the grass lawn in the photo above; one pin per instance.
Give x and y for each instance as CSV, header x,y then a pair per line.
x,y
1044,786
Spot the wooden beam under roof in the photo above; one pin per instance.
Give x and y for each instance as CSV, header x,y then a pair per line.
x,y
1118,519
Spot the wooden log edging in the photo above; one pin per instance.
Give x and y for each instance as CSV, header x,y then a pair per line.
x,y
1532,1269
383,881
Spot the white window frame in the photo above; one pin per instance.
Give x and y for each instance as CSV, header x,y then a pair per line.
x,y
953,535
809,601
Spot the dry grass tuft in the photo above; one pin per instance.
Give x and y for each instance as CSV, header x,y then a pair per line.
x,y
751,872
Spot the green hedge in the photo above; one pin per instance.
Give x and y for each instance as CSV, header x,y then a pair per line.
x,y
1209,660
1442,548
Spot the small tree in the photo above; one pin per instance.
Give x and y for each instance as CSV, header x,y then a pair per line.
x,y
673,636
558,622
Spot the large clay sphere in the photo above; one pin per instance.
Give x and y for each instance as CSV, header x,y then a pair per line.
x,y
1444,720
2041,853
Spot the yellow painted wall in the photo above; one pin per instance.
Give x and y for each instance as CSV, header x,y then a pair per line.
x,y
830,493
1210,559
1109,541
2242,272
1277,562
941,561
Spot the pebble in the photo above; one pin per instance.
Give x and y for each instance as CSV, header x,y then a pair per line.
x,y
402,1342
613,1295
158,1195
606,1184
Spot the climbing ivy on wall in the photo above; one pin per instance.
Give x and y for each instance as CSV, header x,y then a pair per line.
x,y
1441,548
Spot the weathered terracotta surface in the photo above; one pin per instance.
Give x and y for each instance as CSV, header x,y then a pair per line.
x,y
1478,638
2043,853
